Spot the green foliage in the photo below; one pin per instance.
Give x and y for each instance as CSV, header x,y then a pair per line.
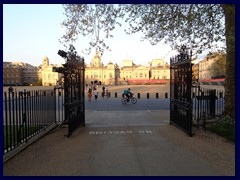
x,y
199,25
94,20
225,128
13,134
219,66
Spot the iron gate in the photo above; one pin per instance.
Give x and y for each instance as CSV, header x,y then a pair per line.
x,y
74,101
180,90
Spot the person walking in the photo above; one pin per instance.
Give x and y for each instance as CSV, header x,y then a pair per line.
x,y
95,94
107,93
103,92
89,94
10,89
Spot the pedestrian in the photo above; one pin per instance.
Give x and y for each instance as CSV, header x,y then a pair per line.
x,y
10,89
95,94
89,94
103,92
107,93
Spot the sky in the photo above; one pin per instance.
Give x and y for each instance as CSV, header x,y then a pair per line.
x,y
32,31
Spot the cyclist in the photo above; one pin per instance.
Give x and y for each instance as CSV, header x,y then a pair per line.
x,y
127,93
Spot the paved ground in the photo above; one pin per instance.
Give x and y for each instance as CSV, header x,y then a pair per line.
x,y
130,142
126,141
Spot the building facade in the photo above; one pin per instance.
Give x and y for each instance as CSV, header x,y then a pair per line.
x,y
195,72
110,74
206,64
12,73
49,78
19,73
97,71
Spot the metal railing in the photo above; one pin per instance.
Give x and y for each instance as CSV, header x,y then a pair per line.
x,y
207,104
28,113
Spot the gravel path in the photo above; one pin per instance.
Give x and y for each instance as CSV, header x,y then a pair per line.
x,y
215,149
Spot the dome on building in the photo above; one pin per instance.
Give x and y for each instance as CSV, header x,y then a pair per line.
x,y
96,61
45,61
45,58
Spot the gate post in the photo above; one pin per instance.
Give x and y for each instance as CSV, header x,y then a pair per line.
x,y
212,98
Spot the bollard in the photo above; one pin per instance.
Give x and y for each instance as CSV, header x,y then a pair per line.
x,y
147,95
220,95
166,95
138,95
212,102
193,95
109,94
157,95
115,94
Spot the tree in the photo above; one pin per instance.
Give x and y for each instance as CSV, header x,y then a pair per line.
x,y
94,20
218,68
200,26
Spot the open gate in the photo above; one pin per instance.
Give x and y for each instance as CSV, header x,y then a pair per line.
x,y
180,90
74,80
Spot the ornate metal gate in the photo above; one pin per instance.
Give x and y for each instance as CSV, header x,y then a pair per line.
x,y
180,90
74,100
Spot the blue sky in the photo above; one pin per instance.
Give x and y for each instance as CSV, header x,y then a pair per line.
x,y
32,31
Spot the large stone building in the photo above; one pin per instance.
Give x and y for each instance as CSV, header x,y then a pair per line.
x,y
195,72
12,73
97,71
205,66
19,73
159,69
49,77
111,74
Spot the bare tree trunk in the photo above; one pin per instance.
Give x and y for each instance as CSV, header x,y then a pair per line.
x,y
229,11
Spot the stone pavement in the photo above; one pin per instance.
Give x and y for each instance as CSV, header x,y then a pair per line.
x,y
125,143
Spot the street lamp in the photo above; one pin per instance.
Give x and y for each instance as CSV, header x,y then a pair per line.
x,y
62,53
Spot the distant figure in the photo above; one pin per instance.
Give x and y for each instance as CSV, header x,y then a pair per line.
x,y
89,94
107,93
10,89
127,93
95,94
103,91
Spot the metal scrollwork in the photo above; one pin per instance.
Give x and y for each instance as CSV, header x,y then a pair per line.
x,y
181,83
74,84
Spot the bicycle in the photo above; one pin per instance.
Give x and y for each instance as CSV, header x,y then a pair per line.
x,y
125,100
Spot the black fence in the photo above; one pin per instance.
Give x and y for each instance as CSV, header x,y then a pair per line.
x,y
28,113
207,104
